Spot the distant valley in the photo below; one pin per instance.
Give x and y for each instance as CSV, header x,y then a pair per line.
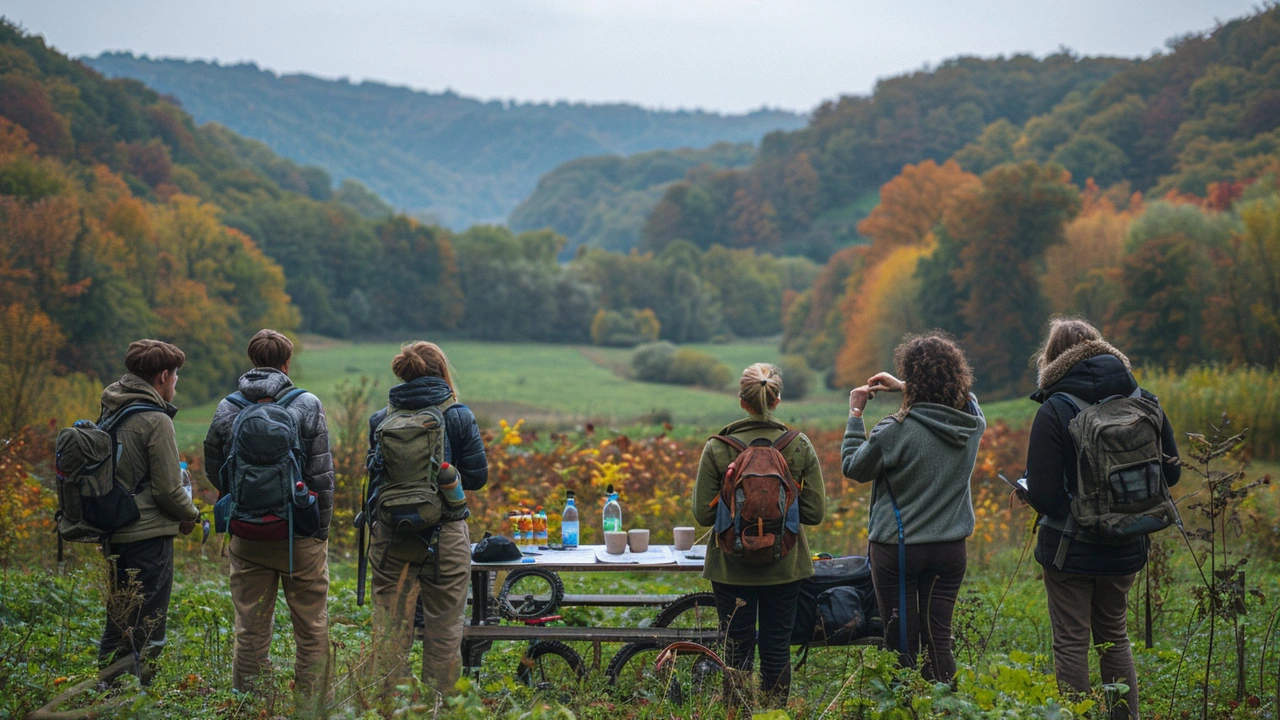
x,y
441,156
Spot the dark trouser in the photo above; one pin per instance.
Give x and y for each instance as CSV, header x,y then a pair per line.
x,y
1079,605
137,607
773,607
934,574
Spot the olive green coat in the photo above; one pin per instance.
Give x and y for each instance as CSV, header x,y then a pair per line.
x,y
148,452
803,461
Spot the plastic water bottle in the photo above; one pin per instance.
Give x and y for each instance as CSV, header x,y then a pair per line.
x,y
302,497
612,513
569,523
186,479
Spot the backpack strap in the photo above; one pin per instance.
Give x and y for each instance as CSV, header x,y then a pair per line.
x,y
290,396
731,441
112,423
238,399
785,439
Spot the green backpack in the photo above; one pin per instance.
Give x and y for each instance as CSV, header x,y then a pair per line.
x,y
408,452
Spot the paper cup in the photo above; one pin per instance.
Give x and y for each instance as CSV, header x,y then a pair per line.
x,y
615,543
684,537
639,540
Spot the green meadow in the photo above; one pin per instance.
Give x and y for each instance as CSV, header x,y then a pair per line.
x,y
561,386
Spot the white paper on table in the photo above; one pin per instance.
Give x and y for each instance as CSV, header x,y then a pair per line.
x,y
655,555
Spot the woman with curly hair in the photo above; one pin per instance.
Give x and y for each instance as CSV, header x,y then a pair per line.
x,y
919,460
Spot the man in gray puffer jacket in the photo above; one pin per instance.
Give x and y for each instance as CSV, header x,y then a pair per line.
x,y
260,553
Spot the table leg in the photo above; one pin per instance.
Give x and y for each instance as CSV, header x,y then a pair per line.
x,y
473,650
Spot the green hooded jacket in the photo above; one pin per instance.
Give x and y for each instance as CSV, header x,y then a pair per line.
x,y
805,470
148,462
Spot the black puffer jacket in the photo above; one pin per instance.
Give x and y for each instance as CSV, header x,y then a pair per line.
x,y
1091,371
463,447
307,411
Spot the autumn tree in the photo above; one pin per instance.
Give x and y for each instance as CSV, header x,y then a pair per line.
x,y
1003,233
913,203
29,340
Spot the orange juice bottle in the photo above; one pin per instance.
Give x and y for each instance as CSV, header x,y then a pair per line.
x,y
526,525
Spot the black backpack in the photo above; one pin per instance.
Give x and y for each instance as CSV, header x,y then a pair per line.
x,y
92,502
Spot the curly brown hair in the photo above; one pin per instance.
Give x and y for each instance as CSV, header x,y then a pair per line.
x,y
935,370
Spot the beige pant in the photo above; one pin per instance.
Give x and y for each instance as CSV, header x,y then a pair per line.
x,y
403,568
1097,605
256,568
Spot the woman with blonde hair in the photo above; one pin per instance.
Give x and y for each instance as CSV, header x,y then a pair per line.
x,y
1087,583
920,461
756,574
430,560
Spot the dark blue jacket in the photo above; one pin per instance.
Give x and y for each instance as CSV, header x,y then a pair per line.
x,y
1051,456
463,446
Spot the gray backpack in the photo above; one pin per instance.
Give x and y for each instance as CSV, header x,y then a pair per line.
x,y
265,461
1120,493
92,503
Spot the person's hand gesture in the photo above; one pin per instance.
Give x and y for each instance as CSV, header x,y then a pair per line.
x,y
186,526
858,398
886,382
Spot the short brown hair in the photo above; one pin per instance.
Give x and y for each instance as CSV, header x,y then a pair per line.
x,y
760,387
935,370
270,349
149,358
1064,334
421,359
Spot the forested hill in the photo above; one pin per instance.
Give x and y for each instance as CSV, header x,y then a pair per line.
x,y
603,201
1177,120
458,159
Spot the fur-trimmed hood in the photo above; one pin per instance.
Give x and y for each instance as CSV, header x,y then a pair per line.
x,y
1053,373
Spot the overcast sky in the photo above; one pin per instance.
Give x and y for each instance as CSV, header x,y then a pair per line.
x,y
726,55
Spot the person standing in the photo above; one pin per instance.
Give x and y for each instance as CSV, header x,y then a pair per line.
x,y
276,549
422,552
141,553
1087,582
756,595
920,461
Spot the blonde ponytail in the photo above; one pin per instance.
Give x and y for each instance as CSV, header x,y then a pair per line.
x,y
760,388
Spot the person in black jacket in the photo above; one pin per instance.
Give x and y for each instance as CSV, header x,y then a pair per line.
x,y
430,569
1089,592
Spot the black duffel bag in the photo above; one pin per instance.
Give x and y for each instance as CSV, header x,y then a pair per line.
x,y
837,604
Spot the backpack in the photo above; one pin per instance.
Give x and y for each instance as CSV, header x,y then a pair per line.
x,y
758,509
263,468
92,502
1120,493
409,448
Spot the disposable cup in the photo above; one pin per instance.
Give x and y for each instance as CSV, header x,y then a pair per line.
x,y
639,540
684,537
615,543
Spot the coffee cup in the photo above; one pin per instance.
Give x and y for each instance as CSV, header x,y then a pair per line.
x,y
684,537
639,540
615,543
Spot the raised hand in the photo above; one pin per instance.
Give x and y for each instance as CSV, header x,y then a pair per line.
x,y
886,382
858,398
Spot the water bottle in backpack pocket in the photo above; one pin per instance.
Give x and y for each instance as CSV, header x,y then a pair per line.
x,y
409,455
92,502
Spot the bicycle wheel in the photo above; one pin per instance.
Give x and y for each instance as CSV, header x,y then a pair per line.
x,y
552,666
631,672
529,594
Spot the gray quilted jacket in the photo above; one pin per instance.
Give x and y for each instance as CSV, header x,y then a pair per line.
x,y
317,470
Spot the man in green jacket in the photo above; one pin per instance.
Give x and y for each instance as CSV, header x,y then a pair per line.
x,y
148,463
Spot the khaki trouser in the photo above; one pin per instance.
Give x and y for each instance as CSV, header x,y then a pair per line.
x,y
1079,605
256,568
403,568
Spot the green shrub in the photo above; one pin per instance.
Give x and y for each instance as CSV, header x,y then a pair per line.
x,y
663,362
797,377
1198,398
624,329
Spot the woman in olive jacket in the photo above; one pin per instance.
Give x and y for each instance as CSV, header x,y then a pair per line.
x,y
757,603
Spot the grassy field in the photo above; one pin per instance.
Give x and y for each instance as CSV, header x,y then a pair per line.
x,y
558,386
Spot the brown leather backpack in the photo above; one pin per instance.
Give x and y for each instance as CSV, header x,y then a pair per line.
x,y
758,508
